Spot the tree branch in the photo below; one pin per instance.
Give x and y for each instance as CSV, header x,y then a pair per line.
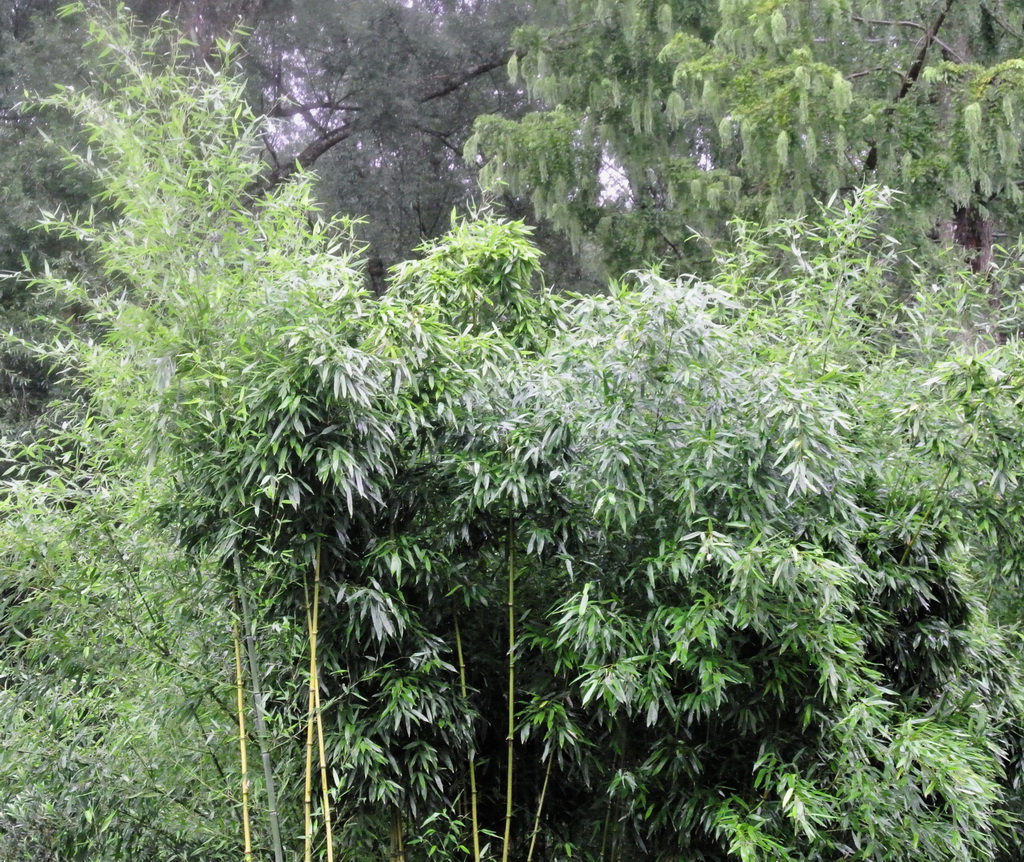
x,y
917,26
926,42
327,138
1016,34
283,109
913,73
454,83
864,20
313,151
441,136
271,152
864,73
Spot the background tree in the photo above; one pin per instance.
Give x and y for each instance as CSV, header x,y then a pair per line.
x,y
379,96
665,120
35,51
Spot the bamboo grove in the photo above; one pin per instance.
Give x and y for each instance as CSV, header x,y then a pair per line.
x,y
702,569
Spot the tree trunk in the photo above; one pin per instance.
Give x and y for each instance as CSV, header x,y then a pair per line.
x,y
973,232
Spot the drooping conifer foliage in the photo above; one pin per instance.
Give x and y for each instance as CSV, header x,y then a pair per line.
x,y
665,119
702,569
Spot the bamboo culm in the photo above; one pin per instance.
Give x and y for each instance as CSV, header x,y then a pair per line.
x,y
307,800
540,808
318,709
397,835
261,725
244,761
472,754
510,731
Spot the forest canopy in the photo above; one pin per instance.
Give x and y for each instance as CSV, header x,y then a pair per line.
x,y
460,563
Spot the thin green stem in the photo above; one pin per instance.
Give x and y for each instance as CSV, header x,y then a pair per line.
x,y
540,808
511,729
472,754
261,725
606,829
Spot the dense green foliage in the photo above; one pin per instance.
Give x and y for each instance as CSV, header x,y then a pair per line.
x,y
666,119
380,96
32,177
697,569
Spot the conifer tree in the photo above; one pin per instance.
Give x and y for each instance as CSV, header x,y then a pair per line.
x,y
663,120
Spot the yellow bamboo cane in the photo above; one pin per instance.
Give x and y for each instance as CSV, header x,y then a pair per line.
x,y
318,711
246,827
258,707
308,798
